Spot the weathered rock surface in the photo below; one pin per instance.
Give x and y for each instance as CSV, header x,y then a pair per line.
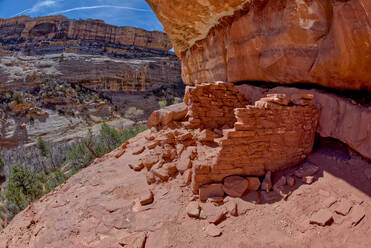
x,y
98,207
321,42
340,118
25,28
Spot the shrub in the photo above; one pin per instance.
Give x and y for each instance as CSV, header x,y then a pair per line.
x,y
18,98
23,187
43,146
162,103
2,165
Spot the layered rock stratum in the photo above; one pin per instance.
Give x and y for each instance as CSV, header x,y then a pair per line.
x,y
321,42
130,67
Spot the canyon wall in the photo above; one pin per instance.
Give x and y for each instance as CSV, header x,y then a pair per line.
x,y
61,28
323,42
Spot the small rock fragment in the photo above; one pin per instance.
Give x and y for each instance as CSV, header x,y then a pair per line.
x,y
206,136
323,217
231,208
267,182
193,209
136,240
308,179
213,214
235,186
187,177
368,173
252,197
146,198
290,181
139,150
253,183
213,231
120,153
343,207
329,201
308,169
270,196
211,190
279,184
357,214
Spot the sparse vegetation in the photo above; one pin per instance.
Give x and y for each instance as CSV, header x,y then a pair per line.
x,y
162,103
36,171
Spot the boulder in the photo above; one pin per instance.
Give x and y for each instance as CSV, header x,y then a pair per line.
x,y
254,183
168,114
235,186
322,218
211,190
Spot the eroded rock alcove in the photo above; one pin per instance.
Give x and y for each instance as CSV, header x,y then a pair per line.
x,y
215,133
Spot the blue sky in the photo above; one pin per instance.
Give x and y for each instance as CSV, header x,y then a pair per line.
x,y
135,13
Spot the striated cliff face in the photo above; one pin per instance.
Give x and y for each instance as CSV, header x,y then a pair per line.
x,y
25,29
327,43
130,67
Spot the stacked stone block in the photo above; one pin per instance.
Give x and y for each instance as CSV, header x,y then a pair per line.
x,y
212,105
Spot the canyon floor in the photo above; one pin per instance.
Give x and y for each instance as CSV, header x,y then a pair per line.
x,y
99,207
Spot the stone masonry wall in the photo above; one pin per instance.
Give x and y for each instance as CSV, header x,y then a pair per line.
x,y
212,105
274,134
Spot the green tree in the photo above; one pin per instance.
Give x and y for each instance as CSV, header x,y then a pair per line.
x,y
43,146
2,165
23,187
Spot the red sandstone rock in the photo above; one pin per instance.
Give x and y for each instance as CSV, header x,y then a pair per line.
x,y
308,179
235,186
267,182
323,217
357,214
193,209
231,208
343,207
290,181
136,240
271,41
146,198
308,169
213,231
211,190
166,115
254,183
213,213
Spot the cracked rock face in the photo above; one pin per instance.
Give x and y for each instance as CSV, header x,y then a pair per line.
x,y
322,42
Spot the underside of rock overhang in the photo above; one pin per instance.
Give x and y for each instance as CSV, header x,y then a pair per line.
x,y
327,43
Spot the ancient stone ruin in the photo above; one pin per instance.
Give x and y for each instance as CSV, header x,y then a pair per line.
x,y
215,133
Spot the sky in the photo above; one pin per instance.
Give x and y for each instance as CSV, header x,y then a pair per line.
x,y
134,13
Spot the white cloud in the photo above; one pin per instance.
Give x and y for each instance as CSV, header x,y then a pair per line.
x,y
40,5
97,7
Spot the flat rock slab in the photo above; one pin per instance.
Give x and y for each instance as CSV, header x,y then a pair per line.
x,y
343,207
308,169
357,214
213,231
211,190
329,201
322,218
235,186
